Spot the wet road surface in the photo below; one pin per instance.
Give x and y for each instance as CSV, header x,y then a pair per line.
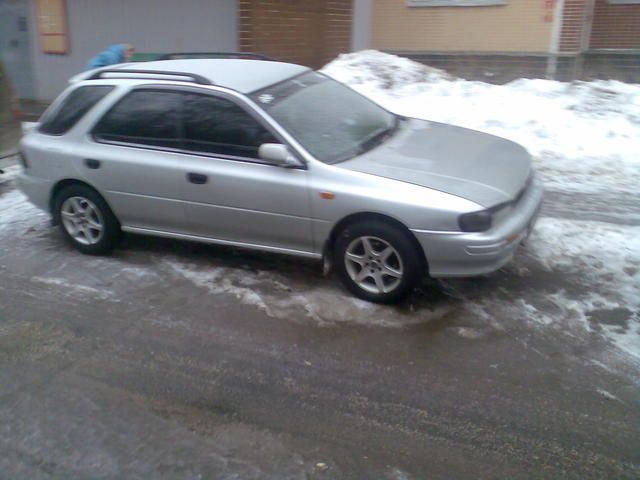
x,y
177,360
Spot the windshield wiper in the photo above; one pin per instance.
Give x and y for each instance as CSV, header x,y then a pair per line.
x,y
379,137
370,143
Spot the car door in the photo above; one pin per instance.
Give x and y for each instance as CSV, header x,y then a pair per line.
x,y
231,194
133,157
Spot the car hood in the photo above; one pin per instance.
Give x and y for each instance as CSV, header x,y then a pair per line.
x,y
483,168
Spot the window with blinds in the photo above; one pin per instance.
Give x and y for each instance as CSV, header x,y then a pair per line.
x,y
51,17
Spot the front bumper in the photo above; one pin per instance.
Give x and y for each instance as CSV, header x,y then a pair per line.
x,y
460,254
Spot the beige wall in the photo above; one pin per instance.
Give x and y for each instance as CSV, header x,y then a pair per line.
x,y
518,26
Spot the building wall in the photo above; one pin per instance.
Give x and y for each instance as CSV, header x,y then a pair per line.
x,y
150,25
517,26
615,26
309,32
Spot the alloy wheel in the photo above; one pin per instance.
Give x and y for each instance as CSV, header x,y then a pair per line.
x,y
373,264
82,220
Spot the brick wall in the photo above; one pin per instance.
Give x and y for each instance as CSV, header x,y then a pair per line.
x,y
615,26
310,32
338,24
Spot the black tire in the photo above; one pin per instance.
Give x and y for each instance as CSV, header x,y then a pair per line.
x,y
411,261
111,227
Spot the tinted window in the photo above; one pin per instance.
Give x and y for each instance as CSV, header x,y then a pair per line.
x,y
73,108
143,117
219,126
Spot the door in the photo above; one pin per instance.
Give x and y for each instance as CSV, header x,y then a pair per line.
x,y
230,193
135,160
15,51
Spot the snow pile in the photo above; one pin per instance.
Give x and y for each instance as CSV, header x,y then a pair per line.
x,y
372,68
585,136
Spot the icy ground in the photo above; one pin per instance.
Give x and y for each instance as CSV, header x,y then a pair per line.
x,y
579,276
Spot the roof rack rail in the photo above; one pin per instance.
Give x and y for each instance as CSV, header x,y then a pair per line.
x,y
194,78
215,55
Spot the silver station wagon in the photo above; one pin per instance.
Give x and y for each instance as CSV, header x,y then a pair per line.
x,y
277,157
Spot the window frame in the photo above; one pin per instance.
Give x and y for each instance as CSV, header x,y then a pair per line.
x,y
123,97
455,3
248,111
240,102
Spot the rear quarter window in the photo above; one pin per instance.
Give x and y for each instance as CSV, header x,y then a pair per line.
x,y
73,108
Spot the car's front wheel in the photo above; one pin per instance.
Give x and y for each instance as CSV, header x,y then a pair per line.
x,y
86,220
377,261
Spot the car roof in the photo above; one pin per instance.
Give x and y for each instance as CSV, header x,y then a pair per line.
x,y
242,75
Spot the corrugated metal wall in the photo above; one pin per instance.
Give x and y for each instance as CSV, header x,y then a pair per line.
x,y
150,25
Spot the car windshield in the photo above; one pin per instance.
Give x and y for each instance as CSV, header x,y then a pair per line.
x,y
330,120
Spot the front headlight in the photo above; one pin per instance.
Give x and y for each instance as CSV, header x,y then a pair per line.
x,y
475,221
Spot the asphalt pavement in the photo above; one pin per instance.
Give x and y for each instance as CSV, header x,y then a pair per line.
x,y
177,360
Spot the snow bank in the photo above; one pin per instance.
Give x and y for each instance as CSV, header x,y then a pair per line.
x,y
371,68
585,136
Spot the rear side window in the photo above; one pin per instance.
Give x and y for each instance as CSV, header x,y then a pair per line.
x,y
220,127
73,108
143,117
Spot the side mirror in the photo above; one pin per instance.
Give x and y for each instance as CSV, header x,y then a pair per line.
x,y
278,154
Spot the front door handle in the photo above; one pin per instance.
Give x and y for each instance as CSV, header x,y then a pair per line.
x,y
197,178
92,163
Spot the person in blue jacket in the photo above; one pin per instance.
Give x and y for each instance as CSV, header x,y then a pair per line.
x,y
118,53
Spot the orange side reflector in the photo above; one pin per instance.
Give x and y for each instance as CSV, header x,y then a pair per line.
x,y
512,238
327,195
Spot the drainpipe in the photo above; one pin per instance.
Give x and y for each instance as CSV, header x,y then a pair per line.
x,y
361,25
554,44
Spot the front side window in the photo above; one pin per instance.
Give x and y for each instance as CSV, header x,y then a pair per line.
x,y
143,117
220,127
329,119
72,109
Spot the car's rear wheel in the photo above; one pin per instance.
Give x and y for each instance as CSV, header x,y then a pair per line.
x,y
377,261
86,220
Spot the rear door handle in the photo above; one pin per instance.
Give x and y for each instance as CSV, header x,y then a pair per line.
x,y
92,163
197,178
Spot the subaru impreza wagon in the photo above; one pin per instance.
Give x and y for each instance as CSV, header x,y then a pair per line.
x,y
277,157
